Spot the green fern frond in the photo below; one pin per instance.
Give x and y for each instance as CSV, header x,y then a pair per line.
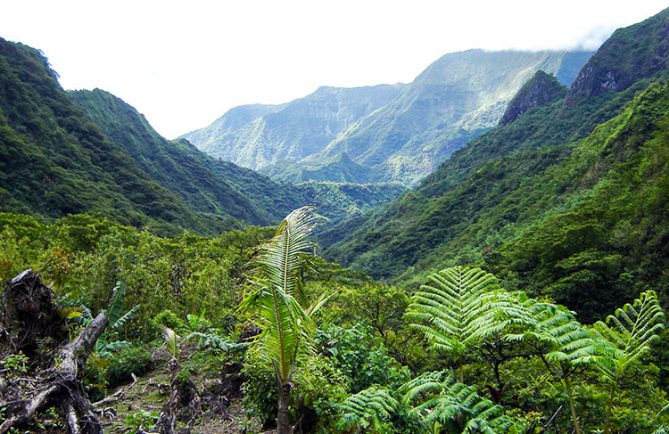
x,y
564,339
438,399
626,336
371,408
86,314
106,349
211,340
461,306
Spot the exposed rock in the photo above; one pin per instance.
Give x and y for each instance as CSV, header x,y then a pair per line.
x,y
629,55
540,90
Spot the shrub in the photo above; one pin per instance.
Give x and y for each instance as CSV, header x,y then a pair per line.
x,y
133,360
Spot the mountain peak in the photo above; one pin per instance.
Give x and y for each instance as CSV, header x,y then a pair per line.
x,y
539,90
629,55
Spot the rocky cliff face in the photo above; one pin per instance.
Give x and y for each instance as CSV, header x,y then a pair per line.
x,y
630,54
454,100
540,90
256,136
389,133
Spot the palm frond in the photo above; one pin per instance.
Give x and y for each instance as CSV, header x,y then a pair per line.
x,y
278,297
128,316
461,306
115,304
371,408
171,342
282,258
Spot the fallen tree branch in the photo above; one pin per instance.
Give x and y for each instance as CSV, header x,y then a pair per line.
x,y
60,383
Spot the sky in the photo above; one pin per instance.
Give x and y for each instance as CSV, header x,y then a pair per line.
x,y
185,63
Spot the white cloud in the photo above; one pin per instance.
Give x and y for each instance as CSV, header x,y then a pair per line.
x,y
184,63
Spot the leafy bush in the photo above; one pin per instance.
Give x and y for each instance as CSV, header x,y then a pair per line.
x,y
133,360
356,353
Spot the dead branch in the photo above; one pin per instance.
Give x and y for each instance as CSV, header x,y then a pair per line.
x,y
28,310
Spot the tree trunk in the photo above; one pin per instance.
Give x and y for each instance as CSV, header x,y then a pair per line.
x,y
28,311
572,407
184,403
283,415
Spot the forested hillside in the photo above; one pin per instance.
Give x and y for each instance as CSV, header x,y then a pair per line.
x,y
256,136
47,140
565,201
98,155
520,288
203,183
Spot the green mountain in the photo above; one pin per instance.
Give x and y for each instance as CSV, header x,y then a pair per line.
x,y
569,200
383,133
540,90
88,151
213,186
100,156
203,183
256,136
341,201
454,100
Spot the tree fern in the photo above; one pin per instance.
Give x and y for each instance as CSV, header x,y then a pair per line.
x,y
626,335
621,341
371,408
560,341
460,307
561,337
440,401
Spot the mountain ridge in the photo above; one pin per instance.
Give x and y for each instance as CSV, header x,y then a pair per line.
x,y
453,100
307,123
541,183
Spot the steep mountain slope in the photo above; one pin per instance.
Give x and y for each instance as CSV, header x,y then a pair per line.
x,y
339,201
630,54
383,133
214,186
58,158
549,195
88,151
54,162
455,99
256,136
204,184
540,90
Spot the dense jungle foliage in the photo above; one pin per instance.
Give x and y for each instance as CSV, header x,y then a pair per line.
x,y
529,272
460,354
568,200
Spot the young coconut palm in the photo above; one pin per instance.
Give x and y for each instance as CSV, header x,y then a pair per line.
x,y
280,303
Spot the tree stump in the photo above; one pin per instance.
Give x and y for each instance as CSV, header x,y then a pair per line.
x,y
29,322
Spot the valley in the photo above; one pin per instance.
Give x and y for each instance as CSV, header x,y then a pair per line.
x,y
483,249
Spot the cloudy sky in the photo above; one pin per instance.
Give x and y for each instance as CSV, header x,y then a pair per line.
x,y
184,63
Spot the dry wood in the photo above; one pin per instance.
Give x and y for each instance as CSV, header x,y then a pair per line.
x,y
27,299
